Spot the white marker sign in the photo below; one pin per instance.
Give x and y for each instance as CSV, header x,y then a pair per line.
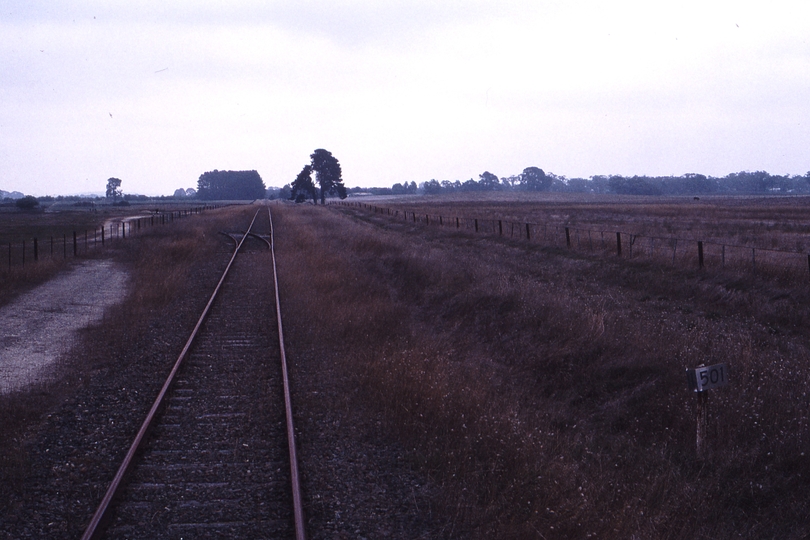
x,y
705,378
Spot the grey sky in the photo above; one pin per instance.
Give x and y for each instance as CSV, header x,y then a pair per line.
x,y
157,92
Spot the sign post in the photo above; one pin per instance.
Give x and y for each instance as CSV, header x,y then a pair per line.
x,y
700,380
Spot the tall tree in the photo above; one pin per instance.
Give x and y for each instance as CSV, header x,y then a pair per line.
x,y
488,181
303,187
327,174
534,179
113,188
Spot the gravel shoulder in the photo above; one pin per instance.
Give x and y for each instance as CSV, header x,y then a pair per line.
x,y
42,324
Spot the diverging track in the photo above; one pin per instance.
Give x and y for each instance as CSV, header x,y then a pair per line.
x,y
215,462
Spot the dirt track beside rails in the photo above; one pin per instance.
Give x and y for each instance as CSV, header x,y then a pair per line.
x,y
41,325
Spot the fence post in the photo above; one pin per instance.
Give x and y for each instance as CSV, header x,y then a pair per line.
x,y
427,219
441,221
619,244
500,228
36,250
476,224
528,232
700,254
702,423
567,237
457,225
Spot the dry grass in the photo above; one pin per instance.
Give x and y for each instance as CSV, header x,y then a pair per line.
x,y
544,389
767,236
161,262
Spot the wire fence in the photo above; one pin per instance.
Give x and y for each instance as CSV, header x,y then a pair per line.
x,y
64,245
784,265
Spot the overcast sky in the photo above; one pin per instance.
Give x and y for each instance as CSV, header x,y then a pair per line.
x,y
157,92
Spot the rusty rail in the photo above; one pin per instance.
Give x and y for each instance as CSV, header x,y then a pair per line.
x,y
101,512
298,510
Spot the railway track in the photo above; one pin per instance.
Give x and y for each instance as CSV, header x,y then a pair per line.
x,y
215,457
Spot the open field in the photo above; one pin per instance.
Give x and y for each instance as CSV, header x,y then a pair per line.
x,y
767,236
466,385
543,389
761,222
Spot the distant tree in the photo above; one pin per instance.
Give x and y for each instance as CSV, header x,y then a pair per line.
x,y
27,203
191,192
113,188
303,187
180,193
470,185
327,174
534,179
432,187
230,185
510,182
636,185
488,181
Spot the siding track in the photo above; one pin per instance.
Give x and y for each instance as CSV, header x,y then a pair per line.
x,y
215,462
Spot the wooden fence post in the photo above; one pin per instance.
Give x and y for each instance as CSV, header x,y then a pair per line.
x,y
567,237
619,243
528,232
457,224
500,228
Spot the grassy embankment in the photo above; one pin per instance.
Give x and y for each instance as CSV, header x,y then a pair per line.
x,y
543,389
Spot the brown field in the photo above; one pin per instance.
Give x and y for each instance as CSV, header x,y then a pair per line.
x,y
543,388
537,391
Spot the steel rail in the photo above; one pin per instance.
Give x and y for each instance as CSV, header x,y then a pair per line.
x,y
298,510
93,527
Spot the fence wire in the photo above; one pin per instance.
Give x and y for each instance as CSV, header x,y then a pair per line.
x,y
783,265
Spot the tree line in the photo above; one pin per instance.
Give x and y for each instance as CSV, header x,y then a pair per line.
x,y
535,179
230,185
